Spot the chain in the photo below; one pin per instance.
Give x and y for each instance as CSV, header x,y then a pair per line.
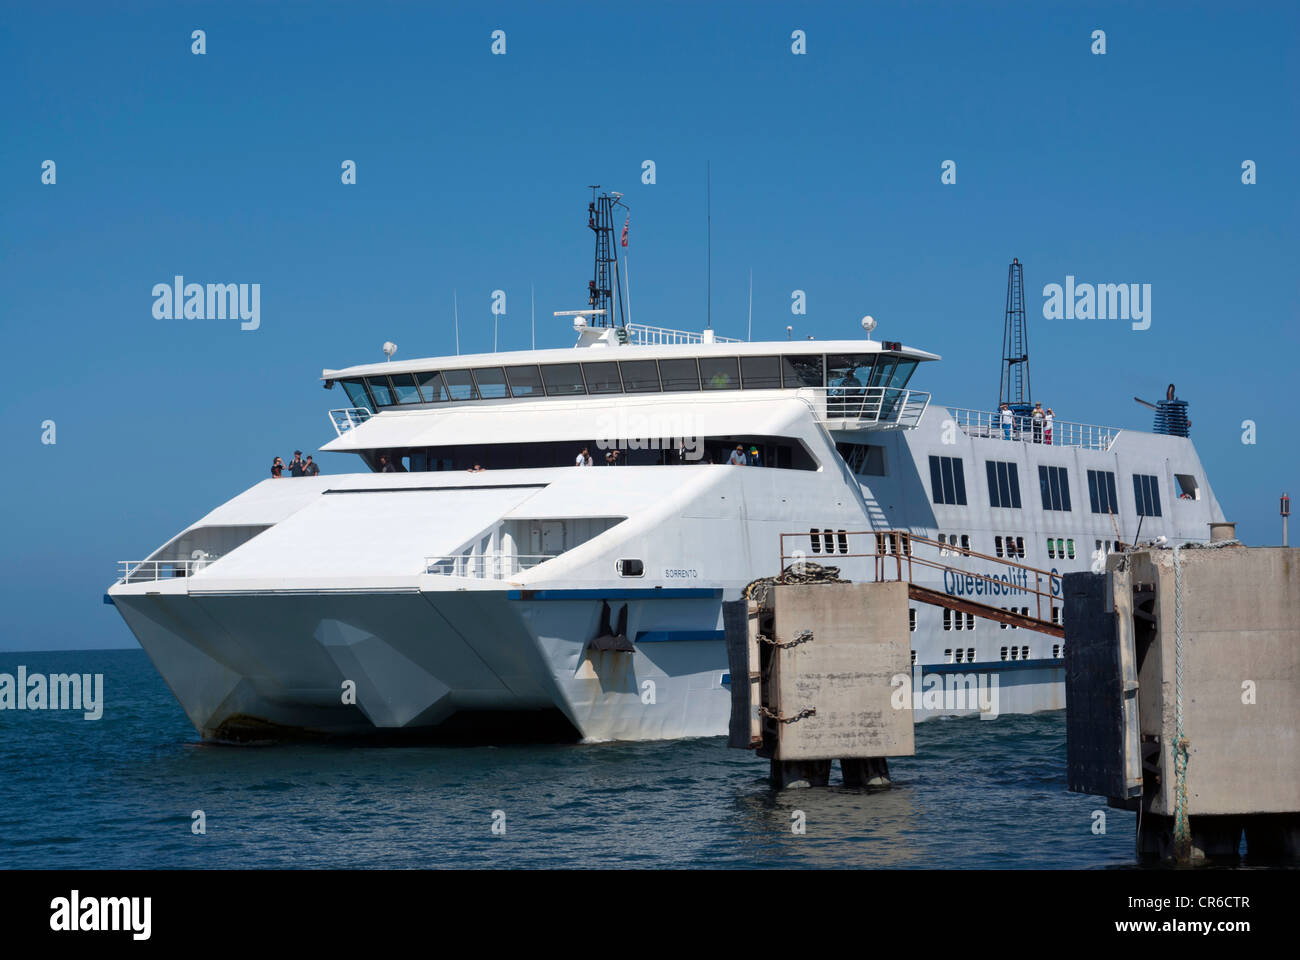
x,y
803,636
803,571
773,715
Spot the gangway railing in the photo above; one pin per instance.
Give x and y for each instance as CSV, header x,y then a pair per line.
x,y
1021,428
894,558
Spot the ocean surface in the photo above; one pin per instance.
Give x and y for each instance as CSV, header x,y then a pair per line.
x,y
120,792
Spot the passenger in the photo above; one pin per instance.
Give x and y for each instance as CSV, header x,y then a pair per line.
x,y
737,458
1006,421
753,457
386,465
277,468
612,458
311,469
1048,420
296,467
1037,417
584,459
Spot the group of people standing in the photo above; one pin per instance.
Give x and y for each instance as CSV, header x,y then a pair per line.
x,y
298,467
612,458
1041,423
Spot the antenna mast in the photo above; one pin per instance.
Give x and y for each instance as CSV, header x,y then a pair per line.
x,y
1014,389
605,285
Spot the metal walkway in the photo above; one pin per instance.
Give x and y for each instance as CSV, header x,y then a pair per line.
x,y
894,558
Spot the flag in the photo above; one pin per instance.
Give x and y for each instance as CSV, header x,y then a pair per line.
x,y
626,223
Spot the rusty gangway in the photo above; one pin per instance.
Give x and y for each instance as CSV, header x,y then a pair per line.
x,y
894,559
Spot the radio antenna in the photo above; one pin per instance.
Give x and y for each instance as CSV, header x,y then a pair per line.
x,y
708,244
455,312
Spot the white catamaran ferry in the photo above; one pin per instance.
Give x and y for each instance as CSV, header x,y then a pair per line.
x,y
473,565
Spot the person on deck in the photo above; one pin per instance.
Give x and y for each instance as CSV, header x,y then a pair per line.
x,y
277,468
296,467
583,459
1006,421
1037,416
737,458
1048,420
311,468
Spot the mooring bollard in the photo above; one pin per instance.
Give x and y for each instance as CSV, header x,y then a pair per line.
x,y
815,670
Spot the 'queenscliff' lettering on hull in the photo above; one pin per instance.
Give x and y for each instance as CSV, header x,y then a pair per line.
x,y
215,301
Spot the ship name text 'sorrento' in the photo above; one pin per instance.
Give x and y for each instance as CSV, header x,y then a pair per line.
x,y
73,914
58,691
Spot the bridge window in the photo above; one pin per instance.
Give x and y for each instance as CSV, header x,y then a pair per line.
x,y
405,388
563,379
1004,484
525,381
491,383
380,390
1146,491
947,480
602,378
1054,482
760,373
640,376
357,395
720,373
1101,492
805,371
682,374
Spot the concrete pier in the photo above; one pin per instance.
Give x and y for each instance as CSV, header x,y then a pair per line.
x,y
822,662
1183,697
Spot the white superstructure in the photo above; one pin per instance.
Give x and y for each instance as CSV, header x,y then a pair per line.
x,y
404,598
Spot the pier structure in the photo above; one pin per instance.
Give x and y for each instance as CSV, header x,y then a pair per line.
x,y
1183,696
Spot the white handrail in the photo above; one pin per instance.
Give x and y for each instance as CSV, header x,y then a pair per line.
x,y
484,566
642,335
348,418
866,408
134,571
987,424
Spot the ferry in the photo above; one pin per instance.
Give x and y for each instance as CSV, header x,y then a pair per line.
x,y
476,565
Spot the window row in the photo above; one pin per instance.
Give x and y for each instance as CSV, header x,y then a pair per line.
x,y
948,486
845,373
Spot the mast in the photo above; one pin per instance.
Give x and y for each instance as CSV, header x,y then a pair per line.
x,y
1014,389
605,284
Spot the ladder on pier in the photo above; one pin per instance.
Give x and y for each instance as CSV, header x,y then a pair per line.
x,y
881,556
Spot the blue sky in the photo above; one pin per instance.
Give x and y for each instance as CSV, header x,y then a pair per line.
x,y
471,170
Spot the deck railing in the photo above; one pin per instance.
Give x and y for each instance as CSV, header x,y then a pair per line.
x,y
1024,429
866,408
137,571
641,335
348,418
484,566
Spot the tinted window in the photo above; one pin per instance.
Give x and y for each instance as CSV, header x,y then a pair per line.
x,y
720,373
805,371
491,383
1054,484
405,388
524,381
760,373
1146,491
640,376
602,378
379,390
853,370
459,384
679,374
431,386
1004,484
563,379
947,480
356,391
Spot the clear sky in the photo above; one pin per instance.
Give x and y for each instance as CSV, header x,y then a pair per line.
x,y
471,171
